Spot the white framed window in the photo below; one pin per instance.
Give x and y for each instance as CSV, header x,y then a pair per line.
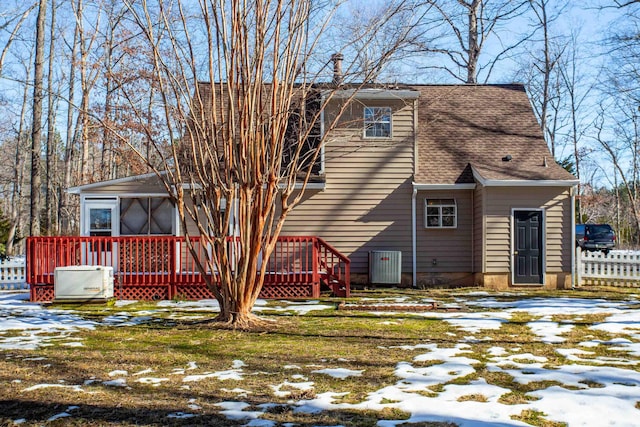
x,y
377,122
440,213
99,217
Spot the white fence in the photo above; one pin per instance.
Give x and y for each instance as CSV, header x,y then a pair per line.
x,y
618,268
12,274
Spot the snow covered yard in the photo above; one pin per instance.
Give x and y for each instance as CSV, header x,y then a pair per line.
x,y
485,359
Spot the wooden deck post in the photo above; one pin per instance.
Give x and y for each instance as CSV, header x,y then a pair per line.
x,y
173,286
316,274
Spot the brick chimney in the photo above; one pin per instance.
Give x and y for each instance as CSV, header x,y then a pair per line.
x,y
337,58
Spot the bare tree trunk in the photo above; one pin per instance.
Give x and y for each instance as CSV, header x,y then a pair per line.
x,y
542,16
568,73
19,172
64,212
636,154
574,140
619,168
36,131
83,117
468,25
88,77
473,48
50,212
543,79
107,145
617,192
12,37
148,139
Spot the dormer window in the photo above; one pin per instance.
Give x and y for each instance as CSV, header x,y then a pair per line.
x,y
377,122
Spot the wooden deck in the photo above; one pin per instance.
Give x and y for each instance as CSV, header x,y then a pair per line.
x,y
159,268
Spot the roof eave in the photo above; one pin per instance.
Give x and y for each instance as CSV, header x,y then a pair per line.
x,y
308,186
449,187
530,183
523,182
81,188
373,93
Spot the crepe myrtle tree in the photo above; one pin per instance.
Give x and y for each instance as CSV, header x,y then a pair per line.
x,y
238,151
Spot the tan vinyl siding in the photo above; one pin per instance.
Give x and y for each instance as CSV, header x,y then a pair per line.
x,y
366,204
192,228
450,248
351,122
478,229
558,232
497,242
556,203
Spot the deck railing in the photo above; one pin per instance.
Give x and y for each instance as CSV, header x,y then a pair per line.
x,y
165,261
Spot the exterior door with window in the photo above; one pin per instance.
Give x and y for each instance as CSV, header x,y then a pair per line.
x,y
100,220
528,248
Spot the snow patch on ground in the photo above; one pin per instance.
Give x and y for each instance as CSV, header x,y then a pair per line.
x,y
576,393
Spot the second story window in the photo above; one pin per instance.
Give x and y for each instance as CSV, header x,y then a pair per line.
x,y
377,122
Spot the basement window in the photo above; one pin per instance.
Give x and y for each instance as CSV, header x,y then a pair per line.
x,y
440,213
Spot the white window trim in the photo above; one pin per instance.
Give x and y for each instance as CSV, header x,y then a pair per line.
x,y
98,197
443,227
364,115
101,203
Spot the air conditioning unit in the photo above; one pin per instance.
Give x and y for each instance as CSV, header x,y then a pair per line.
x,y
385,267
83,283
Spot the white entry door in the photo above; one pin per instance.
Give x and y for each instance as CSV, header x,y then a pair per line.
x,y
100,219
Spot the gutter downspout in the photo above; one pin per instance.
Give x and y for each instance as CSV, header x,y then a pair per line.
x,y
574,276
413,237
323,141
473,236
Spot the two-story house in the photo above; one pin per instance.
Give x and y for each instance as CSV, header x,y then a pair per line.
x,y
420,185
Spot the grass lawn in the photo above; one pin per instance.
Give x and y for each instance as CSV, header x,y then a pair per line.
x,y
168,364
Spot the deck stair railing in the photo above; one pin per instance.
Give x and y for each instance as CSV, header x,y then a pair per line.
x,y
335,268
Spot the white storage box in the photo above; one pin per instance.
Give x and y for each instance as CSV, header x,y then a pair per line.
x,y
83,282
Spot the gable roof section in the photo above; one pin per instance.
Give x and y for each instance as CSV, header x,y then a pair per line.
x,y
465,131
143,180
151,183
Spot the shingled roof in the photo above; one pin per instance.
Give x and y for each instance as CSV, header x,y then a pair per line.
x,y
467,128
